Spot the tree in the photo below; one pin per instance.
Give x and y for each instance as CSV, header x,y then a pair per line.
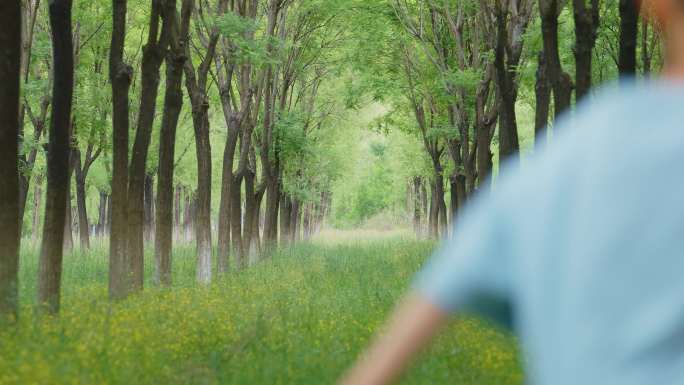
x,y
237,101
81,165
173,102
120,75
196,82
154,52
629,31
30,9
512,18
50,265
560,81
10,49
587,18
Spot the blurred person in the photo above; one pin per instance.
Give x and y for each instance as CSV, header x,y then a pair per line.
x,y
581,250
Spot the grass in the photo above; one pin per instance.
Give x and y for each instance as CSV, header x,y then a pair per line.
x,y
300,318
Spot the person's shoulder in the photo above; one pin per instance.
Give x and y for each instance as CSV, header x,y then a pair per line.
x,y
625,112
633,98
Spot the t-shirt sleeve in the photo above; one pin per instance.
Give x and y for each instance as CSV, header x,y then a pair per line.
x,y
472,271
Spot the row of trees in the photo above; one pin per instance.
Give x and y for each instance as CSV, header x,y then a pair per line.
x,y
259,69
222,116
458,74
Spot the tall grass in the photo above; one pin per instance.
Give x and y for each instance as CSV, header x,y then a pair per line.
x,y
299,318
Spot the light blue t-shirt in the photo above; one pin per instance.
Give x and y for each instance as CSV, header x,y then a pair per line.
x,y
584,244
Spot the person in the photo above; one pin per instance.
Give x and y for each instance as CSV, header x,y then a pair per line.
x,y
581,250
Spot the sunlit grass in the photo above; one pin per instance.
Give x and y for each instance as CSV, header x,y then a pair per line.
x,y
299,318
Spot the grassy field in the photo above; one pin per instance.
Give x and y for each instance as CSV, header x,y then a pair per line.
x,y
300,318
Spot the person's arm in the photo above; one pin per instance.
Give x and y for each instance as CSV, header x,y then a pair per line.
x,y
413,325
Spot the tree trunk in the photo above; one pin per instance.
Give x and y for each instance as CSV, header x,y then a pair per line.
x,y
108,222
306,221
120,78
50,264
250,208
203,218
646,53
586,26
10,50
629,30
153,56
102,214
37,195
83,225
441,205
173,103
227,189
416,207
508,126
295,221
236,223
196,82
178,213
542,92
458,195
560,81
271,215
30,15
149,208
433,219
68,219
425,206
187,217
285,215
256,231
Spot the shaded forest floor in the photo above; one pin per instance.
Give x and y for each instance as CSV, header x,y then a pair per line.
x,y
300,318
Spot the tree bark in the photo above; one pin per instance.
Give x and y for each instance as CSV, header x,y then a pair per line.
x,y
10,50
120,276
173,103
50,264
629,31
